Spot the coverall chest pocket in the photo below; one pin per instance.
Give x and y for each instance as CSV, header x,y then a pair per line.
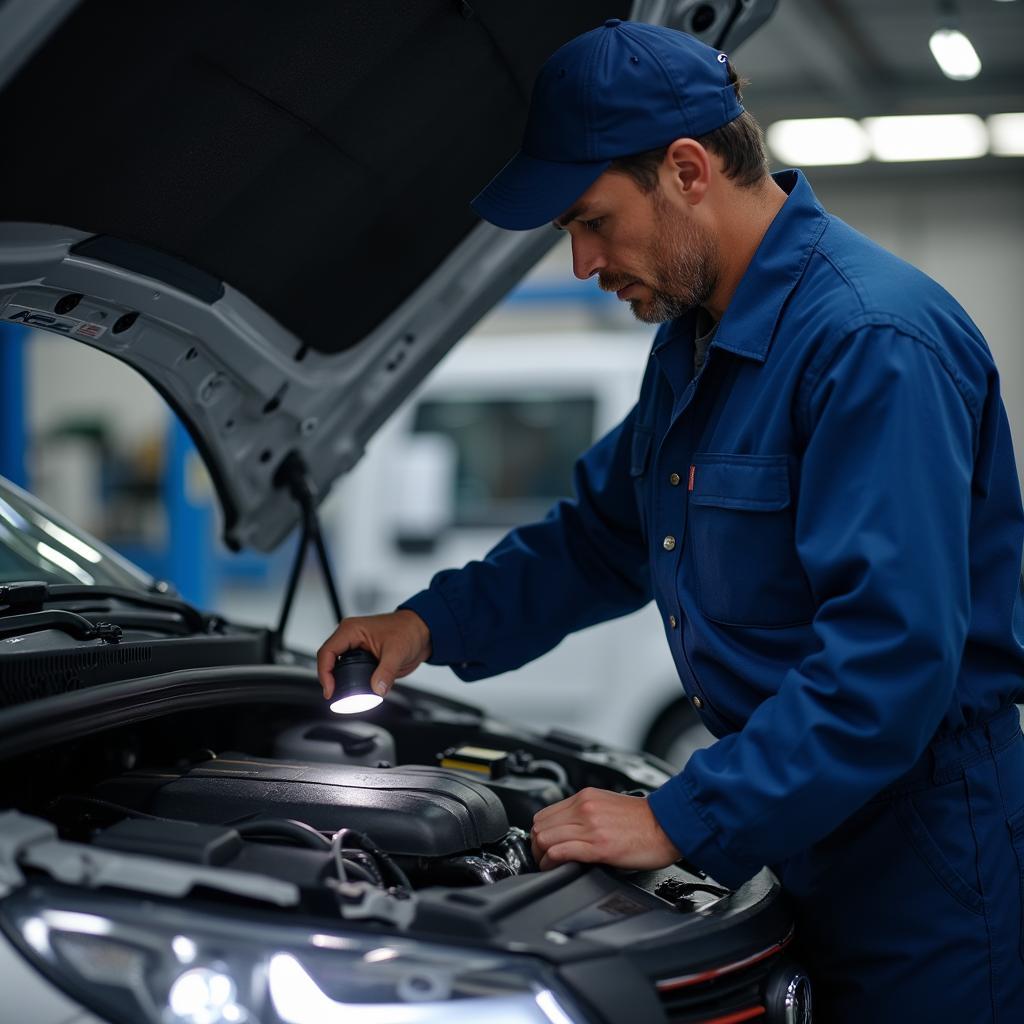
x,y
742,537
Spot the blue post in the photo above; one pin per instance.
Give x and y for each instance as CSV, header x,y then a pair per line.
x,y
191,564
13,432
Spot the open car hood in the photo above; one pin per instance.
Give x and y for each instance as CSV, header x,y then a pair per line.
x,y
263,207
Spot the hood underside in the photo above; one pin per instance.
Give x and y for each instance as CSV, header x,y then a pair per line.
x,y
263,208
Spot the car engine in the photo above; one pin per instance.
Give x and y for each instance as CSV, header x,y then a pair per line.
x,y
426,791
327,809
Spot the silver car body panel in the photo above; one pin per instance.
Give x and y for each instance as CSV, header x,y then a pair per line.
x,y
249,391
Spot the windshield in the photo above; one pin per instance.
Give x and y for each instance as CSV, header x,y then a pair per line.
x,y
38,544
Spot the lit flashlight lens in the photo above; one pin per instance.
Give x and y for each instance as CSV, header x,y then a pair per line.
x,y
355,703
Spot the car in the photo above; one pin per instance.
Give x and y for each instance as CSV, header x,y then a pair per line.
x,y
188,835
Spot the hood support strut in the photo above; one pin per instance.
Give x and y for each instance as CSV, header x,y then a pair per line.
x,y
293,474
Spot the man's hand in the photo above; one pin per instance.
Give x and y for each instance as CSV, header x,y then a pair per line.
x,y
599,827
400,641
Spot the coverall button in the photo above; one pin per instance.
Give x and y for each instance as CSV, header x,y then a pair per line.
x,y
672,622
698,703
675,479
669,542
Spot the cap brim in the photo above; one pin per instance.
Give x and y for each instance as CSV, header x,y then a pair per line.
x,y
528,192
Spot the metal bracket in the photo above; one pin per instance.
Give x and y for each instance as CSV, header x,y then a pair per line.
x,y
363,901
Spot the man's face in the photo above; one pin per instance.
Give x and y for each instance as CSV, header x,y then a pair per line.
x,y
644,248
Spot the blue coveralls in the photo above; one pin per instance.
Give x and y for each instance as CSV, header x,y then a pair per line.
x,y
829,519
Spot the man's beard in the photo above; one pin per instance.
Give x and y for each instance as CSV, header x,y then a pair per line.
x,y
686,268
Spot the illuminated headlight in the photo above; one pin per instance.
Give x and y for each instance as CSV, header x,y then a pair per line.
x,y
142,962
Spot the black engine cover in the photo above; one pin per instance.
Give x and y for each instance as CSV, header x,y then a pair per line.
x,y
429,813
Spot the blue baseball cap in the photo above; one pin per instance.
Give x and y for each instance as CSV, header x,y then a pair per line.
x,y
620,89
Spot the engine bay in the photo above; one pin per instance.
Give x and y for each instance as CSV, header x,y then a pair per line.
x,y
403,827
234,795
421,794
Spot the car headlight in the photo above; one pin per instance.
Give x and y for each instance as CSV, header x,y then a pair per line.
x,y
142,961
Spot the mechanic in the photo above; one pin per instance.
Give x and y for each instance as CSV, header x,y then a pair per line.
x,y
817,487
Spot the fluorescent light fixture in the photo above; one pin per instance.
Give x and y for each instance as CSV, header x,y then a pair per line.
x,y
1006,132
927,137
819,140
954,54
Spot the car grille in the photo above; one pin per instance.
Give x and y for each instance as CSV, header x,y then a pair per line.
x,y
725,1001
728,994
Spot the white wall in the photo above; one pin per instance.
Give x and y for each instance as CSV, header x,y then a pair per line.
x,y
67,379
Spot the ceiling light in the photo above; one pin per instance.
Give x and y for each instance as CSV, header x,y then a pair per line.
x,y
954,54
927,137
819,140
1006,132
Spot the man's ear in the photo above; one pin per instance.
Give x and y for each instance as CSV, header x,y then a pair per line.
x,y
687,167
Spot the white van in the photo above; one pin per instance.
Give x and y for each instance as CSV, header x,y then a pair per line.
x,y
488,442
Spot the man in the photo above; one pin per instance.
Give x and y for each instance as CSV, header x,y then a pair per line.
x,y
817,488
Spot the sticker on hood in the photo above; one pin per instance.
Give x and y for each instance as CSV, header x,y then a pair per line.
x,y
43,320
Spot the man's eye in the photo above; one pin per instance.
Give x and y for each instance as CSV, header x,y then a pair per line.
x,y
593,225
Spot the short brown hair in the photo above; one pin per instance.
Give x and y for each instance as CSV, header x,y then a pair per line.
x,y
740,144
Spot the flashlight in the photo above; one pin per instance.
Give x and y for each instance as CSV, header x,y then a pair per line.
x,y
352,674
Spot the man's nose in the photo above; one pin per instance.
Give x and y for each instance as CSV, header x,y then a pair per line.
x,y
586,258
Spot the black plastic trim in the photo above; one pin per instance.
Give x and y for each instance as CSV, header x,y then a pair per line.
x,y
141,259
78,668
67,717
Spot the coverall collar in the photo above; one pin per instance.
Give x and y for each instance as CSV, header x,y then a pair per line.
x,y
748,325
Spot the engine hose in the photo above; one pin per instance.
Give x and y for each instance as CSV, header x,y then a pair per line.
x,y
560,775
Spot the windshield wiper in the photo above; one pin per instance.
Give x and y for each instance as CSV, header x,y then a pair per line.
x,y
29,593
68,622
33,594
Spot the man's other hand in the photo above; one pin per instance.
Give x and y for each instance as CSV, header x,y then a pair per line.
x,y
599,827
400,641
